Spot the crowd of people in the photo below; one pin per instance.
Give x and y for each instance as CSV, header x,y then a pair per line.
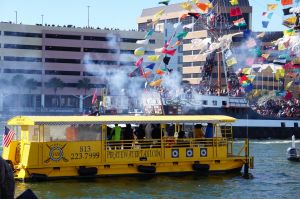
x,y
279,108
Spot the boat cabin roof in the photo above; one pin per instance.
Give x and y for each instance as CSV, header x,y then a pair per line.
x,y
113,119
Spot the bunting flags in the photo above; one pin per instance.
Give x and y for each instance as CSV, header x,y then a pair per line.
x,y
270,15
286,2
160,72
288,85
147,74
183,16
165,2
169,52
231,62
150,66
149,33
265,24
139,62
155,83
136,72
186,6
139,51
143,42
181,35
286,11
166,60
234,2
153,57
194,14
189,26
272,6
202,6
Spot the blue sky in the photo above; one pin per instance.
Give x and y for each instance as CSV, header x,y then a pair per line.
x,y
104,13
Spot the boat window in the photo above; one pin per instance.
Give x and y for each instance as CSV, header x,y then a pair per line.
x,y
33,135
72,132
296,124
282,124
17,130
204,102
215,103
224,103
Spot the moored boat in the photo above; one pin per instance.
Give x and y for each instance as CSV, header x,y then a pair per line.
x,y
293,153
79,146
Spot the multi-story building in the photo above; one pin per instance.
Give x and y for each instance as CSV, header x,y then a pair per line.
x,y
31,56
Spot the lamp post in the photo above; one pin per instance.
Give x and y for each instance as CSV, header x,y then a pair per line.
x,y
16,16
88,16
42,20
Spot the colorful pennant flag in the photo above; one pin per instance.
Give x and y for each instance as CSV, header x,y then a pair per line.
x,y
272,6
155,83
286,2
194,14
187,6
202,6
265,24
240,22
181,35
286,11
160,72
143,42
139,62
149,33
231,62
136,72
234,2
183,16
151,66
165,2
270,15
153,57
234,12
139,51
169,52
166,60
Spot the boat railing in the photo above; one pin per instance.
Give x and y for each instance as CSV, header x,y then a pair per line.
x,y
166,142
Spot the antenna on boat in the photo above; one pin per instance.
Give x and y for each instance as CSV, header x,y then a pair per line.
x,y
293,142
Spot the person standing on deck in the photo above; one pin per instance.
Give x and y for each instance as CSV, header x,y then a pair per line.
x,y
116,133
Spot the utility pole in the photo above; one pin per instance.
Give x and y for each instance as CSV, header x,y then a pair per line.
x,y
88,16
16,16
42,20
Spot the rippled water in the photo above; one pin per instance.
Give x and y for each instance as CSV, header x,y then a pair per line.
x,y
274,177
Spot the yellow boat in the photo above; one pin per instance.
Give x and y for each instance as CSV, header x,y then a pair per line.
x,y
76,146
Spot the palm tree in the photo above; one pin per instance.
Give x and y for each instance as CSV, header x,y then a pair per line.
x,y
18,81
3,83
31,84
55,83
84,84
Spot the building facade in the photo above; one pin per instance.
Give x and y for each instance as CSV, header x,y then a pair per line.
x,y
57,69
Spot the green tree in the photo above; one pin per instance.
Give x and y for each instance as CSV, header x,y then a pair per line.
x,y
31,84
85,84
55,83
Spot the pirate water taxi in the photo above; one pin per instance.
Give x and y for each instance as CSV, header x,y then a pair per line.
x,y
76,146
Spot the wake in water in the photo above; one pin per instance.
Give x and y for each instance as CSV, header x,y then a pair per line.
x,y
270,141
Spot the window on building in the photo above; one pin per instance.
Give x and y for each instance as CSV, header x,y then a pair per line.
x,y
56,72
187,41
189,52
59,36
24,59
100,50
186,75
102,62
196,75
22,34
23,71
19,46
215,102
94,38
67,61
142,26
129,40
186,64
63,48
172,21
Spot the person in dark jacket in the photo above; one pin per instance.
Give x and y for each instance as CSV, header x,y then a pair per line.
x,y
7,182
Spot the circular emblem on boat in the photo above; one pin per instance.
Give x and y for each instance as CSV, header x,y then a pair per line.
x,y
175,153
203,152
56,153
189,153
